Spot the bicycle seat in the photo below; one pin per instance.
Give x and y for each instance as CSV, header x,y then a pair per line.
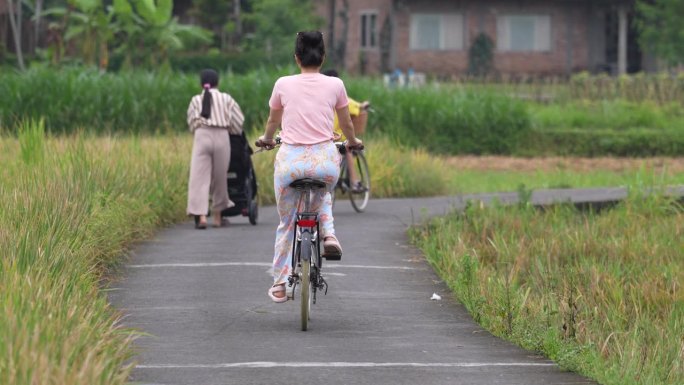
x,y
304,182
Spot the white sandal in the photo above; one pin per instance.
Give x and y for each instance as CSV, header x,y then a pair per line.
x,y
279,288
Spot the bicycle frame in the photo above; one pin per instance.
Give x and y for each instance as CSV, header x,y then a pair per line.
x,y
306,255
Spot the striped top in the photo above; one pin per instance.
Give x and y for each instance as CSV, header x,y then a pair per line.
x,y
225,113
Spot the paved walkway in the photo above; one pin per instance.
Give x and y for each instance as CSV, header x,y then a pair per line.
x,y
201,297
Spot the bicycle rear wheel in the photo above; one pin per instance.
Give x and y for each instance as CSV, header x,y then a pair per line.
x,y
360,193
305,278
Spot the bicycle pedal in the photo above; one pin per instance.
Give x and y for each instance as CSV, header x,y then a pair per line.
x,y
289,291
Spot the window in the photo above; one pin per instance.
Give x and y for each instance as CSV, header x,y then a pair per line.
x,y
436,31
369,30
524,33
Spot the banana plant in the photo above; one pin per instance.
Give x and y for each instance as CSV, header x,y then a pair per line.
x,y
151,28
91,24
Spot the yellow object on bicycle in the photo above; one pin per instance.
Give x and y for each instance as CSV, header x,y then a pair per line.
x,y
355,111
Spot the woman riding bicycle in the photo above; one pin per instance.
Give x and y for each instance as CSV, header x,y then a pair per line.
x,y
304,107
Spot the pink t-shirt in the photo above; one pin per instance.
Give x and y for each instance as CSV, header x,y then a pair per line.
x,y
309,101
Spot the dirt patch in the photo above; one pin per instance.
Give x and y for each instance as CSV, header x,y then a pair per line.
x,y
502,163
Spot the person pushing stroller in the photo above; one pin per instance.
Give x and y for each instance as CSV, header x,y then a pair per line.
x,y
212,115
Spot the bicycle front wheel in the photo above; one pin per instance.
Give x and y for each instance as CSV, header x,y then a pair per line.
x,y
305,278
359,191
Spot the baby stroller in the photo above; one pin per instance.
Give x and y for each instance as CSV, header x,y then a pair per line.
x,y
242,184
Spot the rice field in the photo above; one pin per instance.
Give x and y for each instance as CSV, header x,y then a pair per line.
x,y
72,206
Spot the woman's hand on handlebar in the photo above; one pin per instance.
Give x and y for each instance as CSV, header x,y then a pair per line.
x,y
265,143
355,144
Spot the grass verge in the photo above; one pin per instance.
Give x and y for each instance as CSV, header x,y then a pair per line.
x,y
600,294
70,207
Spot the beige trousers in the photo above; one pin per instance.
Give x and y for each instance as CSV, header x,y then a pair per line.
x,y
208,171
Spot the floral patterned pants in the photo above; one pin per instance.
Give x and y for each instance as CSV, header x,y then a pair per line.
x,y
318,161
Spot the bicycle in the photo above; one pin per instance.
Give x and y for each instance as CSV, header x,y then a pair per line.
x,y
359,192
307,260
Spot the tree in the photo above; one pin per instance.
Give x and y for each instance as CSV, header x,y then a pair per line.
x,y
149,28
15,17
661,30
216,16
91,24
480,55
274,24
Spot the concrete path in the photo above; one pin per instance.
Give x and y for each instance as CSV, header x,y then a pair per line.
x,y
201,298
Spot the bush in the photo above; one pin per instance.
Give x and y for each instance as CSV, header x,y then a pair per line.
x,y
481,55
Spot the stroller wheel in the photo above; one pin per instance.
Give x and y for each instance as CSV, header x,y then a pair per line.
x,y
253,212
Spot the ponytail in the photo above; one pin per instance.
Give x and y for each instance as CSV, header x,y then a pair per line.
x,y
208,79
206,102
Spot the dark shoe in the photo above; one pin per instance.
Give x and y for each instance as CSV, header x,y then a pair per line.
x,y
200,225
359,188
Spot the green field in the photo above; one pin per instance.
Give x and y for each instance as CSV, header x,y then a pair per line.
x,y
592,116
94,162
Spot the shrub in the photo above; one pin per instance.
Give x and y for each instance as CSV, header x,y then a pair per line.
x,y
480,55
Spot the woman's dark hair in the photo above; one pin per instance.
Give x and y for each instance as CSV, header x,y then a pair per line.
x,y
209,79
310,48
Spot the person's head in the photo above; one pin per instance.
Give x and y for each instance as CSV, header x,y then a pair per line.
x,y
331,72
209,79
310,49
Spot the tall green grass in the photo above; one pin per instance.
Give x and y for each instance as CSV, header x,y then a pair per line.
x,y
661,88
608,114
600,293
70,207
472,118
442,120
126,102
446,120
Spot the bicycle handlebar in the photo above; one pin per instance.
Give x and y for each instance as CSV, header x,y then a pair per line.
x,y
263,146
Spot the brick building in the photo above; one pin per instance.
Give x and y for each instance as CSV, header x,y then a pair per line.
x,y
531,37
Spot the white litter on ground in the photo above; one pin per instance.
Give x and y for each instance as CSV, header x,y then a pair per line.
x,y
435,297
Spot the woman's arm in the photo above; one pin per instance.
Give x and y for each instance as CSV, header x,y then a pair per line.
x,y
275,116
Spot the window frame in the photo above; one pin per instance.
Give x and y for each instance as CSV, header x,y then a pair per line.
x,y
500,26
442,39
367,36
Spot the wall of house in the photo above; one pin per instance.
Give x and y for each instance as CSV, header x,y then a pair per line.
x,y
354,53
568,45
575,35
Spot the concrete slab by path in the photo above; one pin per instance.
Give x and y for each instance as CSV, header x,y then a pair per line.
x,y
201,298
